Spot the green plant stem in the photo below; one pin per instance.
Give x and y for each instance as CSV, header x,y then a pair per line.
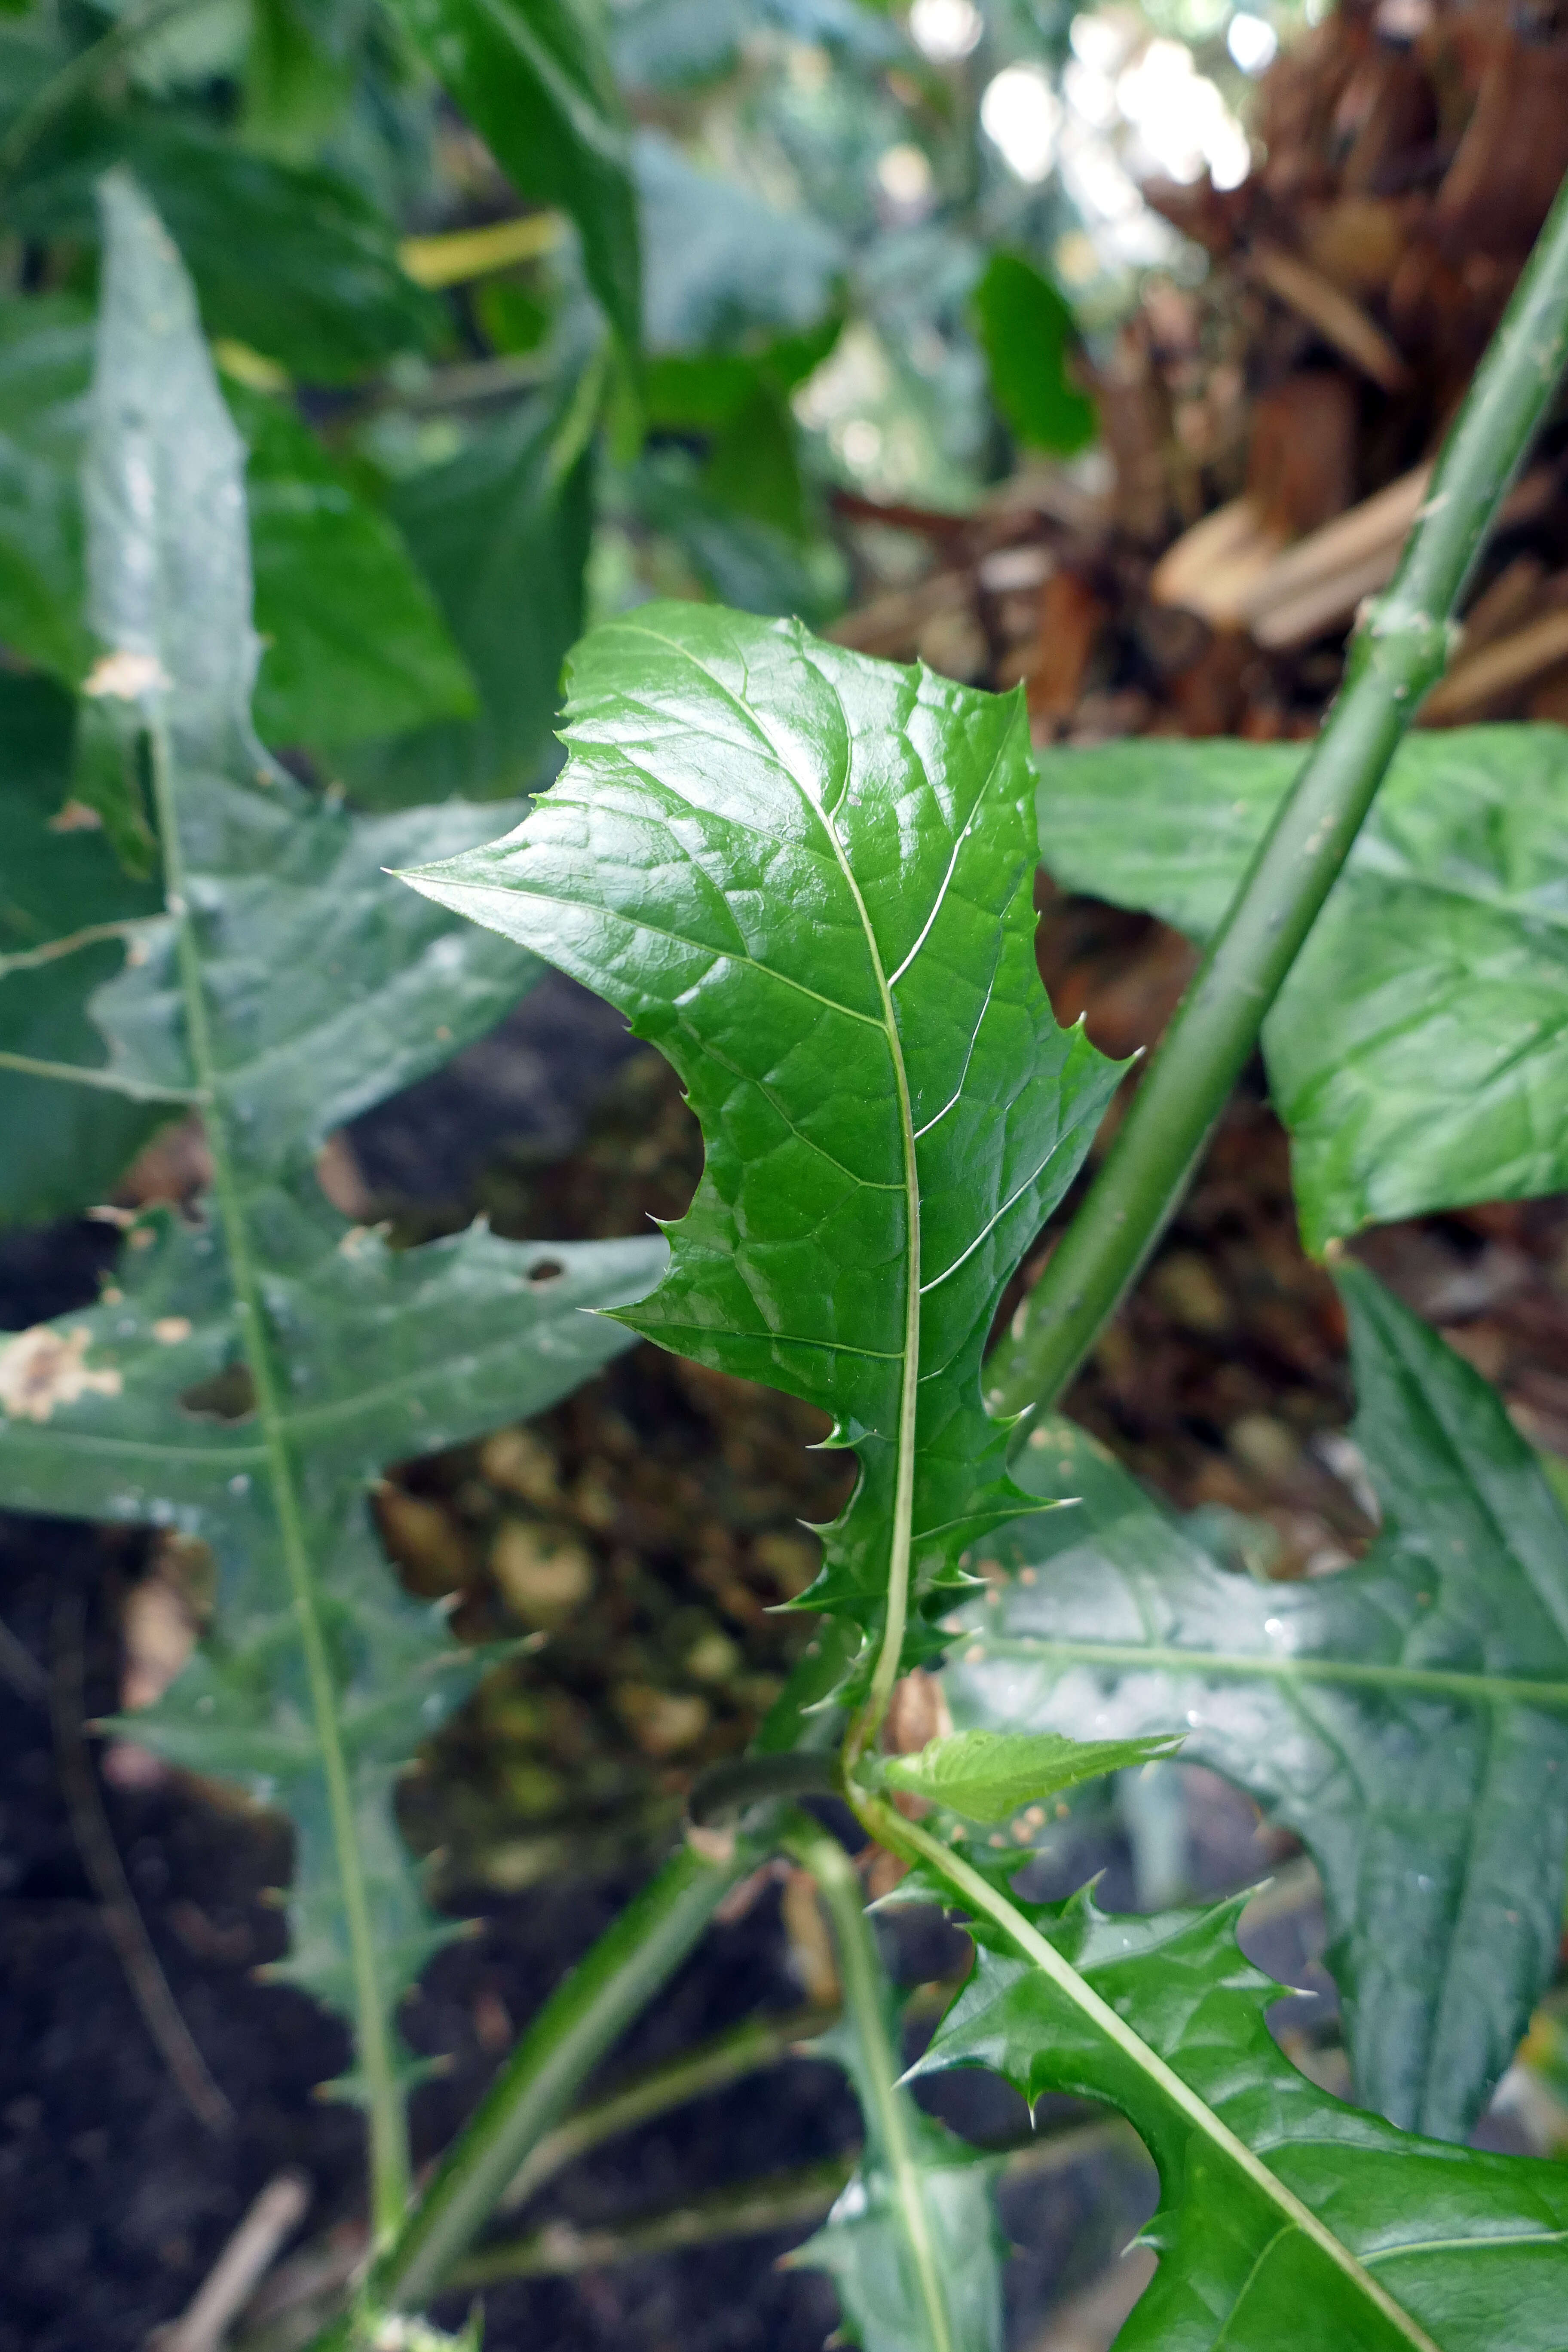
x,y
778,2203
1399,651
727,1789
890,2109
389,2170
986,1900
746,2049
582,2018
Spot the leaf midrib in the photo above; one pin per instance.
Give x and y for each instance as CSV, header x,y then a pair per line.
x,y
390,2170
1477,1689
984,1900
900,1545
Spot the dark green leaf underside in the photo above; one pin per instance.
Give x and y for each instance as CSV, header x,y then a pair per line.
x,y
1418,1052
1407,1718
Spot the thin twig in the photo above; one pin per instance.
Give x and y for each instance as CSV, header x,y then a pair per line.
x,y
746,2049
1334,312
100,1858
239,2269
755,2210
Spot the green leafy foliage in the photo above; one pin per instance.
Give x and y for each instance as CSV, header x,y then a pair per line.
x,y
1406,1718
500,532
1285,2217
740,402
67,909
720,261
44,346
534,77
1416,1046
1029,334
354,643
247,1375
986,1775
290,259
805,877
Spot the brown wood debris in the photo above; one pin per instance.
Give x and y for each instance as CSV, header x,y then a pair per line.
x,y
1270,434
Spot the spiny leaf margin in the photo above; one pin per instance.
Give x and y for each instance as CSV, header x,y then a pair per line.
x,y
1287,2219
807,876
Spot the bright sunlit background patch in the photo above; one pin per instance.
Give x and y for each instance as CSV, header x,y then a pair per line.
x,y
1022,115
1130,105
1252,42
945,30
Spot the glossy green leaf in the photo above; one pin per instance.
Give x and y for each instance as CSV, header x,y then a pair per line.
x,y
501,532
354,644
534,77
807,876
1419,1048
1406,1718
987,1775
249,1372
1285,2219
1028,333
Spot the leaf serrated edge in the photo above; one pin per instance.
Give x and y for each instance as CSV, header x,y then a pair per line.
x,y
899,1835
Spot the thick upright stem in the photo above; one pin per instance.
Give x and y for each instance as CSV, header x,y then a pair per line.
x,y
571,2033
388,2134
1398,653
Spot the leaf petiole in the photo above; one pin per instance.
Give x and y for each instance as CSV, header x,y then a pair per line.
x,y
888,2105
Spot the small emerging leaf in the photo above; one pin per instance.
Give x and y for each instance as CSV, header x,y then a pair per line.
x,y
987,1775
